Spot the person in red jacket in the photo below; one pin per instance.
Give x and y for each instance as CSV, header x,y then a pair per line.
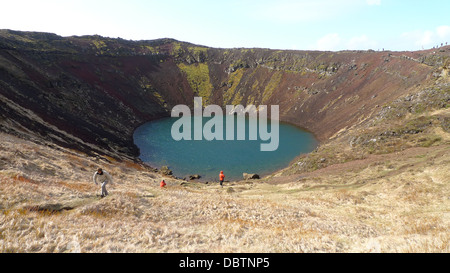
x,y
162,184
221,177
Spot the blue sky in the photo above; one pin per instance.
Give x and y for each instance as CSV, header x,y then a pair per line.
x,y
282,24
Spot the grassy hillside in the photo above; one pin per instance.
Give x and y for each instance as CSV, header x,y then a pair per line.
x,y
353,194
385,203
378,182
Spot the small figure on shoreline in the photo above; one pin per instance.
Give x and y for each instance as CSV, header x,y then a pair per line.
x,y
221,177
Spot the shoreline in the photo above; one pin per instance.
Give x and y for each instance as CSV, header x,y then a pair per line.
x,y
315,143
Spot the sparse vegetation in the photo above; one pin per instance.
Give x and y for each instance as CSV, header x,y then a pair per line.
x,y
271,86
377,183
394,128
198,78
233,82
396,205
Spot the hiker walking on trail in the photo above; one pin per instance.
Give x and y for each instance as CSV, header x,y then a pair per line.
x,y
221,177
102,177
162,184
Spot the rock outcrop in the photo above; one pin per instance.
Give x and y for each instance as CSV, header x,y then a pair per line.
x,y
248,176
194,176
90,93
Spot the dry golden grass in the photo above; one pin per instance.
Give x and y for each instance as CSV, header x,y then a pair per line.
x,y
48,203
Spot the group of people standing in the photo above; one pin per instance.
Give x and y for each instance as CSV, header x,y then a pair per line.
x,y
221,178
103,177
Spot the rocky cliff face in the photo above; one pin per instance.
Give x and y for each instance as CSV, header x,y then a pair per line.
x,y
89,93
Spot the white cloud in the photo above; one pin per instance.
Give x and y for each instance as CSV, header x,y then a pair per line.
x,y
330,42
289,11
443,32
373,2
412,40
426,39
335,42
418,37
362,42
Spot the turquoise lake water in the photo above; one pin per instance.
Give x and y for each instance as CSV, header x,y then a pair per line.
x,y
208,158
